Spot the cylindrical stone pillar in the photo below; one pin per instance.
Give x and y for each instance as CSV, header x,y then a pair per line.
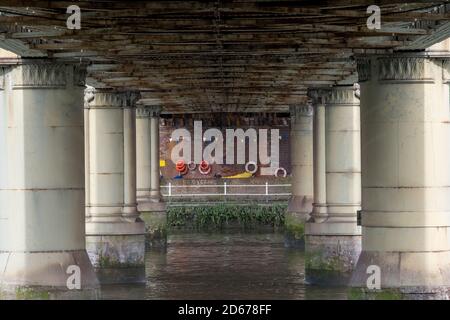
x,y
42,180
129,134
150,203
405,122
86,152
114,233
319,211
143,154
333,242
300,205
155,194
343,156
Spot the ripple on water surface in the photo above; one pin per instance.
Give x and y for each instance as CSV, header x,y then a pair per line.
x,y
224,266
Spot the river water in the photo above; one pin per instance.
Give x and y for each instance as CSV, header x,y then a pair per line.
x,y
233,265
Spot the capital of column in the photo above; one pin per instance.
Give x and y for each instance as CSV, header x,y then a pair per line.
x,y
45,73
3,71
301,111
363,67
142,112
148,111
131,98
446,70
155,111
343,95
318,96
403,68
399,68
104,98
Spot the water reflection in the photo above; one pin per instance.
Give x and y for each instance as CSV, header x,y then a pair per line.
x,y
224,266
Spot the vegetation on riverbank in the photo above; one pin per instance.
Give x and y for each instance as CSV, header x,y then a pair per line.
x,y
220,216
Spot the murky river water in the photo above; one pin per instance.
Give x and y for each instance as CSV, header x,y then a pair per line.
x,y
224,266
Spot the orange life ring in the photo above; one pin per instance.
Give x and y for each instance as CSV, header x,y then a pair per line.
x,y
181,167
204,168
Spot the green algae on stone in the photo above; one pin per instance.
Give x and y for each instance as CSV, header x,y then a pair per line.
x,y
294,227
26,293
109,262
316,261
155,228
366,294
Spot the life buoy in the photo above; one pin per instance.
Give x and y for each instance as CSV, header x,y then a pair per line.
x,y
181,167
251,163
283,170
204,167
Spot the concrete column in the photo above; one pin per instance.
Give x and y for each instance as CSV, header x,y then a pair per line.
x,y
129,134
155,194
143,154
319,212
333,240
115,233
42,182
405,122
150,203
86,157
300,205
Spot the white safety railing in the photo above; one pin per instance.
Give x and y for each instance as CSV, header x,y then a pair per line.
x,y
226,190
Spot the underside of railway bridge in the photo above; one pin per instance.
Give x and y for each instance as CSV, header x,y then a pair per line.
x,y
370,114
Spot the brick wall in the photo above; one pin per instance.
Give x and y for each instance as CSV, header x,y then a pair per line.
x,y
222,122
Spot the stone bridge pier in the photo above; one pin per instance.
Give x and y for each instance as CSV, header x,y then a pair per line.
x,y
405,129
300,204
42,223
391,161
150,203
114,231
333,239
